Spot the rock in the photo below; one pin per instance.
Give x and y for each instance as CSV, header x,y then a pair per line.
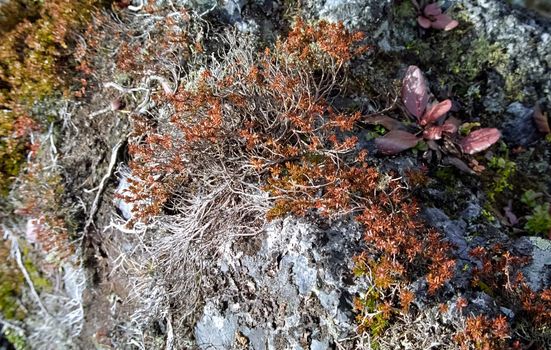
x,y
215,331
541,6
526,44
304,276
519,128
453,230
231,10
507,312
318,345
482,302
292,292
472,211
538,272
355,14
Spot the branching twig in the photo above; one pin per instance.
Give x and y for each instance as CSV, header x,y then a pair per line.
x,y
17,255
94,207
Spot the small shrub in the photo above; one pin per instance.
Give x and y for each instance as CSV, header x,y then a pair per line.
x,y
504,170
483,333
435,126
539,222
499,275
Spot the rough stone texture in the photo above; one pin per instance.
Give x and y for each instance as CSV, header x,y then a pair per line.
x,y
214,331
455,230
526,41
293,293
527,44
519,127
538,272
357,14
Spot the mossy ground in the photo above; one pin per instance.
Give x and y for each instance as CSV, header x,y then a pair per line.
x,y
457,64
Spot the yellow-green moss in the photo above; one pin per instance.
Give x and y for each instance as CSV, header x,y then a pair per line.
x,y
12,152
11,283
504,170
16,339
35,63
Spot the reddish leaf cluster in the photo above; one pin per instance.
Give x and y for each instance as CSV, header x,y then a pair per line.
x,y
332,39
267,101
415,96
499,274
432,16
297,144
483,333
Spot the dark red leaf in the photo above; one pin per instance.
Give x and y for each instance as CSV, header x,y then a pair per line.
x,y
396,141
414,91
424,22
511,217
386,121
435,111
444,22
459,164
432,10
433,133
479,140
540,119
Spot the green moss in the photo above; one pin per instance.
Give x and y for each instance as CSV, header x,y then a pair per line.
x,y
487,214
539,222
12,152
504,170
485,288
514,83
459,57
530,198
16,339
40,283
13,12
371,304
405,11
460,60
479,55
35,62
11,282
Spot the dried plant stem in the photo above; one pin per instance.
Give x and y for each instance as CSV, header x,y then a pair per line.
x,y
94,207
16,252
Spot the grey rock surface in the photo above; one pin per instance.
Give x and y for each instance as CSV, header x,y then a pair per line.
x,y
215,331
454,230
526,43
519,127
357,14
293,293
538,272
